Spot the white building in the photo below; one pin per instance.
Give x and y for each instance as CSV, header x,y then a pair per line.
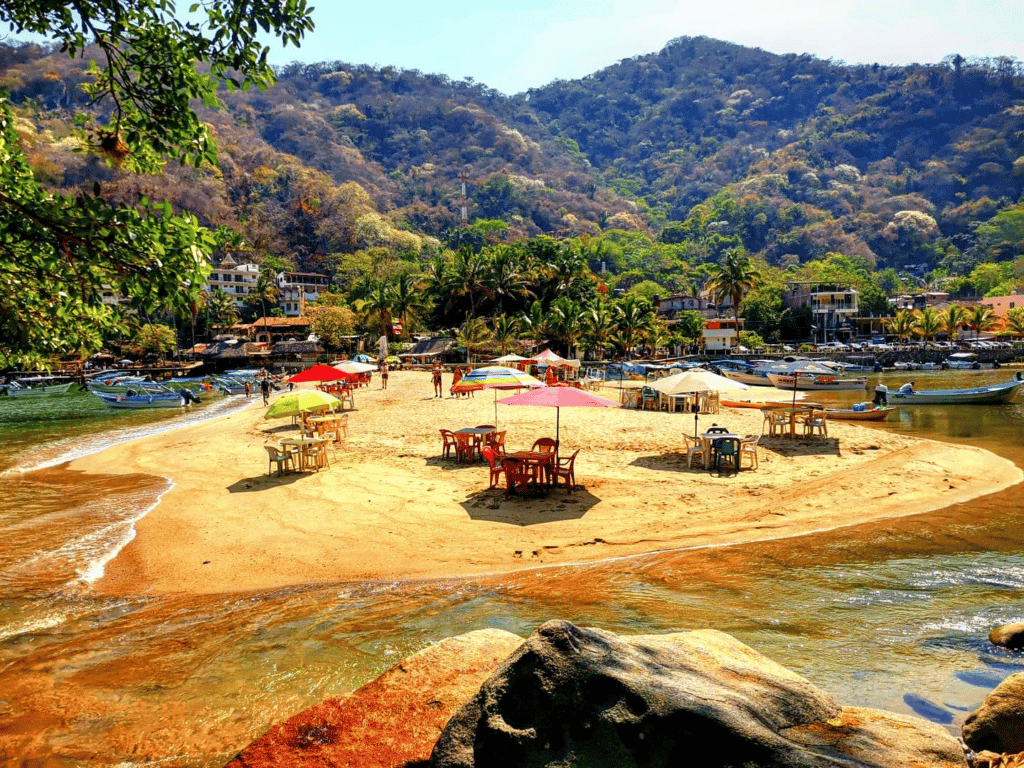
x,y
236,280
296,288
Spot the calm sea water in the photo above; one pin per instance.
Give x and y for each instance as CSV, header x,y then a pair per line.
x,y
890,615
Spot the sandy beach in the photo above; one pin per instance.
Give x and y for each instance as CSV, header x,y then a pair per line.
x,y
389,507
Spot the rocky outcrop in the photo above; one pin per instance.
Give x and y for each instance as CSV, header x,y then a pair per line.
x,y
1008,636
573,696
393,721
998,724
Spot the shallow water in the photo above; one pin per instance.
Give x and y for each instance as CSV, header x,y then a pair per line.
x,y
889,615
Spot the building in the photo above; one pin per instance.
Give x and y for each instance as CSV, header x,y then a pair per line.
x,y
296,288
1003,304
236,280
722,335
920,300
680,302
274,329
833,309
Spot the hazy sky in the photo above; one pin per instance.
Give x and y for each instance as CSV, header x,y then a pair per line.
x,y
515,45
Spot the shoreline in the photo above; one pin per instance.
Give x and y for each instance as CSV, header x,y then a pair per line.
x,y
225,526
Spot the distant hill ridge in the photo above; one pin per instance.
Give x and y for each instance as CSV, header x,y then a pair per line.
x,y
705,143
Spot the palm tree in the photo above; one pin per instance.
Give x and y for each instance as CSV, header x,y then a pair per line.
x,y
408,303
474,333
635,316
567,323
535,323
902,324
735,276
981,318
265,292
505,331
376,305
928,323
953,319
466,277
221,309
1015,321
600,325
506,278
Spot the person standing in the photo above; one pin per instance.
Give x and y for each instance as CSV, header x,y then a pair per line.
x,y
265,389
248,390
881,395
436,377
384,376
456,378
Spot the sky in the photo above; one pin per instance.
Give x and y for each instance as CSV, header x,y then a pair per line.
x,y
514,46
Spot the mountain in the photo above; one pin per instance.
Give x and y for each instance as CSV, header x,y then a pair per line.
x,y
705,144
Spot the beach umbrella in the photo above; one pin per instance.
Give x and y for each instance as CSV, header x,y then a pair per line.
x,y
496,377
351,366
319,372
363,359
296,403
547,357
696,380
558,398
513,358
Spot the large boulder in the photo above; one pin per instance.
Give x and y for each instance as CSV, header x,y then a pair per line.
x,y
1008,636
586,697
392,721
998,724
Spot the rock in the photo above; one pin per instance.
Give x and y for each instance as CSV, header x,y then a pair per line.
x,y
586,697
998,724
393,721
992,760
1008,636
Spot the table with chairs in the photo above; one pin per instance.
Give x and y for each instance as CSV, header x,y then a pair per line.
x,y
311,451
783,422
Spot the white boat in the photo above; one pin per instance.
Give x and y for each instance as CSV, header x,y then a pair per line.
x,y
963,360
751,373
994,393
14,389
133,400
815,381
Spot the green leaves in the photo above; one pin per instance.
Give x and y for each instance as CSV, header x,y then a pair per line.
x,y
70,266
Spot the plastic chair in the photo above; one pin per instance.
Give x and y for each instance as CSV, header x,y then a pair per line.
x,y
497,466
316,455
496,441
517,473
280,457
726,450
748,447
816,421
694,448
545,445
465,447
566,468
447,443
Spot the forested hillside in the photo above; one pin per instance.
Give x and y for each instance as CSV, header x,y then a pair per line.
x,y
704,146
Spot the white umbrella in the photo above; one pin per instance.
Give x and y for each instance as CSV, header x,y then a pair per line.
x,y
696,380
509,359
351,366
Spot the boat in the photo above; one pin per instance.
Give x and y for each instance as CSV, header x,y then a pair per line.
x,y
759,404
14,389
815,381
867,413
752,373
136,400
963,360
994,393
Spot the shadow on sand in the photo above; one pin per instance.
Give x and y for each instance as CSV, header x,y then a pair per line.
x,y
492,506
264,482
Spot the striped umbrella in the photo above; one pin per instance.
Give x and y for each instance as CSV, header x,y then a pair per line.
x,y
496,377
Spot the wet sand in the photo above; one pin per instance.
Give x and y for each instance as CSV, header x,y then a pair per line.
x,y
391,508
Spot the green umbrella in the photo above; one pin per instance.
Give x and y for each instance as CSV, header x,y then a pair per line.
x,y
296,403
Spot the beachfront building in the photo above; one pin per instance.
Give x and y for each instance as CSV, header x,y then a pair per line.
x,y
274,329
833,308
722,335
1002,304
670,306
236,280
914,301
297,288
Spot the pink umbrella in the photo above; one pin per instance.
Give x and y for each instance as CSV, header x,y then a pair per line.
x,y
559,397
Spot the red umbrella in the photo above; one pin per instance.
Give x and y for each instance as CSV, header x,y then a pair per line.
x,y
560,397
320,373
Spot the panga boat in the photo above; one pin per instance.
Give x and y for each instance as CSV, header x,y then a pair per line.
x,y
994,393
963,361
17,390
146,399
815,381
868,413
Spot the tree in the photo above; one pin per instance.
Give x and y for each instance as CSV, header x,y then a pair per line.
x,y
474,332
734,277
221,309
981,318
928,323
331,323
57,252
1014,322
156,339
505,331
953,319
902,324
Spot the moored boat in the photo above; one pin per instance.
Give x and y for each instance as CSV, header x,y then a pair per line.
x,y
868,413
963,361
993,393
815,381
17,390
133,400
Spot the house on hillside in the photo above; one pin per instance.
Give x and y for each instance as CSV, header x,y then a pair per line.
x,y
722,335
833,308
